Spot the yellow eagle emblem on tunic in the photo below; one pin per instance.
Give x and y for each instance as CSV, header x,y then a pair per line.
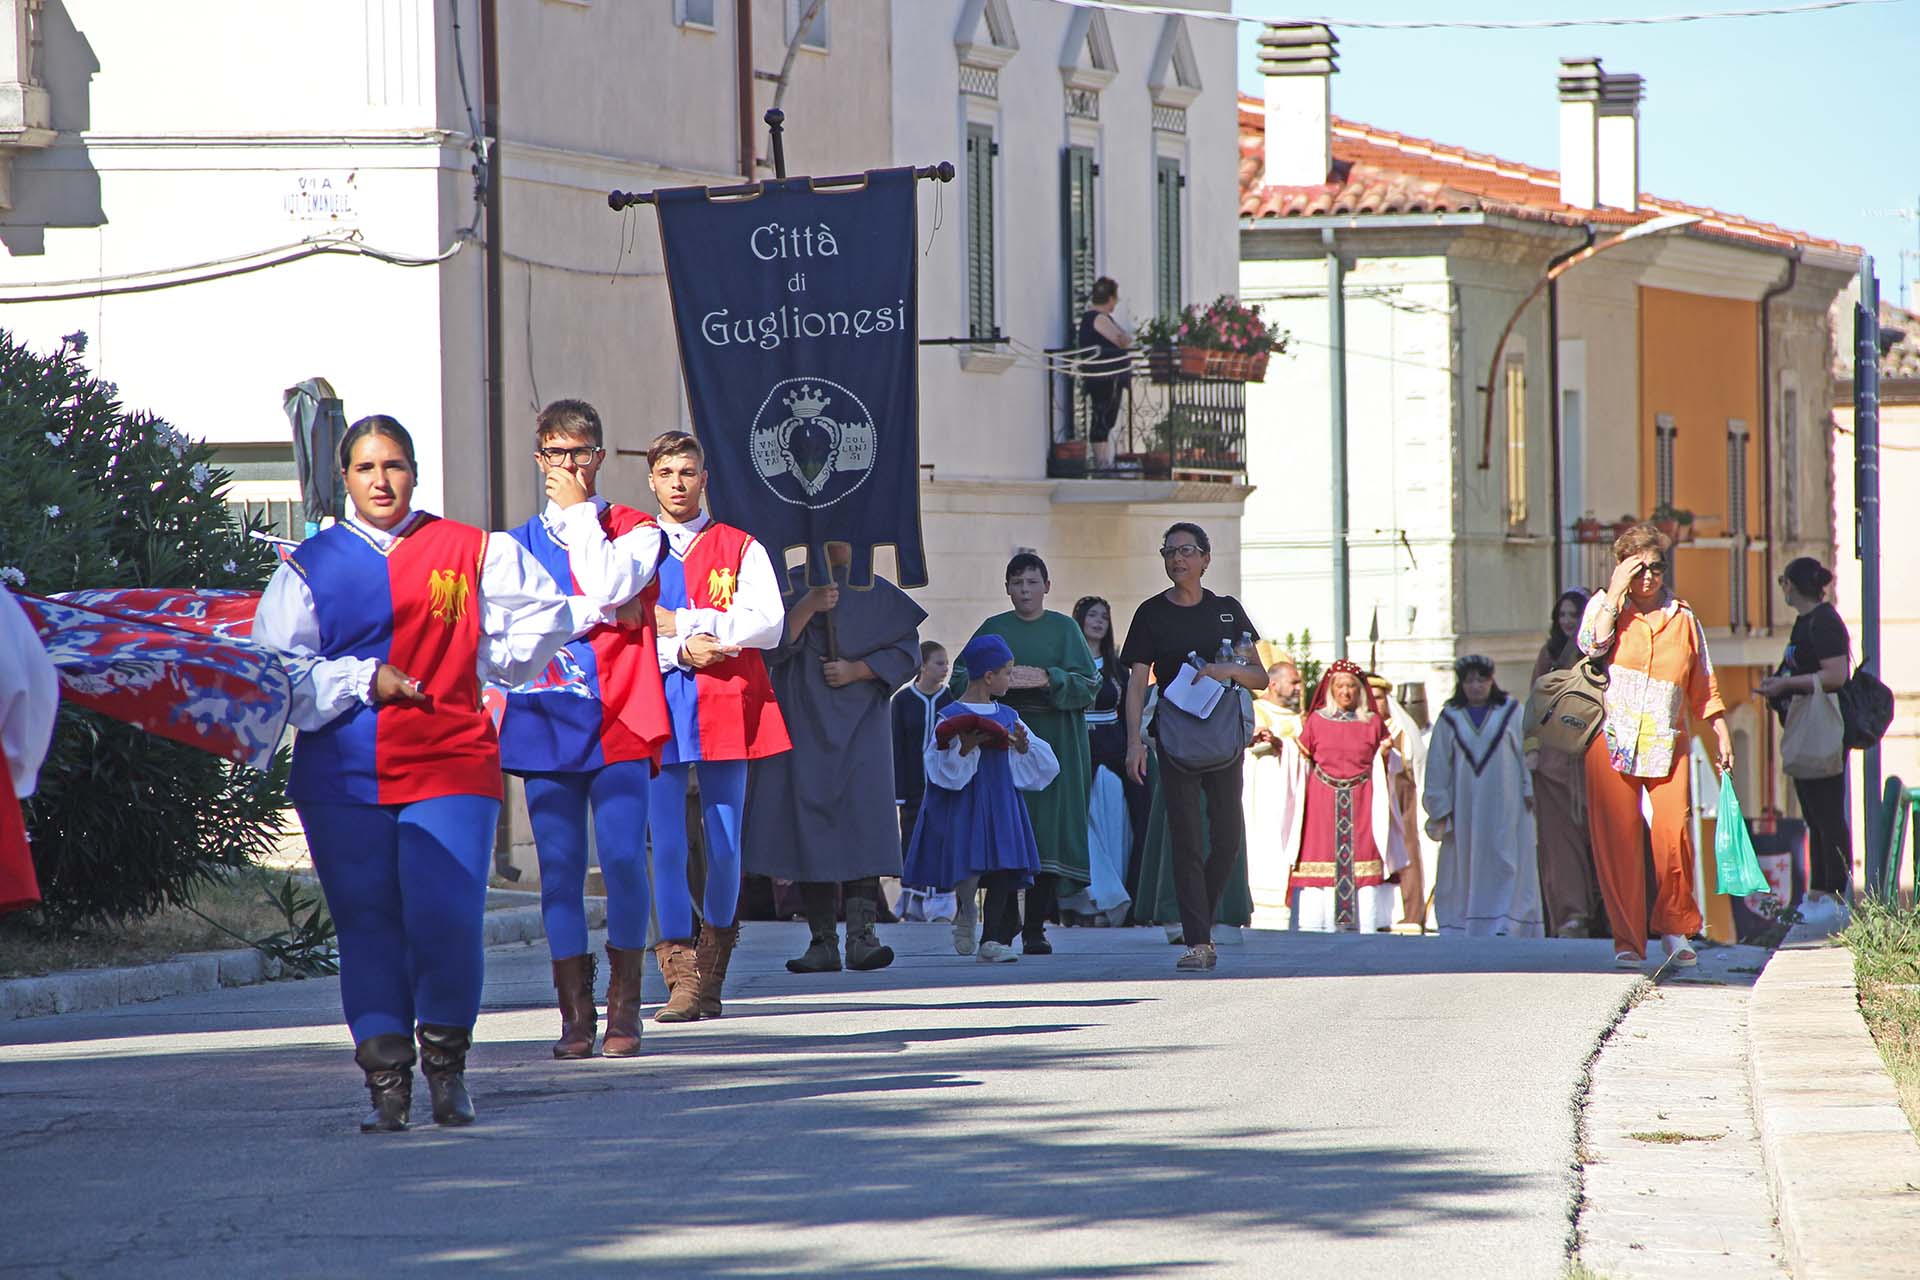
x,y
720,588
447,591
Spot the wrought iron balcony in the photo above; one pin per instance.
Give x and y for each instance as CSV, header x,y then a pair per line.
x,y
1170,425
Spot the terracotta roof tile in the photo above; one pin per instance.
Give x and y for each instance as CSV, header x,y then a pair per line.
x,y
1378,171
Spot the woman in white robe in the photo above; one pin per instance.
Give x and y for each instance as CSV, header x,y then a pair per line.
x,y
1479,802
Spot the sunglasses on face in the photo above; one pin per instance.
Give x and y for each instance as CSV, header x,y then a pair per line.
x,y
1185,551
1653,569
560,457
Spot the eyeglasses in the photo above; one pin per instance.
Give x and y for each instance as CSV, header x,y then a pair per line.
x,y
560,457
1656,569
1185,551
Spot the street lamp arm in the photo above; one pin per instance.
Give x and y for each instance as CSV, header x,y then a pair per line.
x,y
1652,227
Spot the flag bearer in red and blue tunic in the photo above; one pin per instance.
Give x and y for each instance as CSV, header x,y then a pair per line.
x,y
719,606
588,736
396,769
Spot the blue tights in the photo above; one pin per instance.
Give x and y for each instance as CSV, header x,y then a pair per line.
x,y
557,803
723,795
407,885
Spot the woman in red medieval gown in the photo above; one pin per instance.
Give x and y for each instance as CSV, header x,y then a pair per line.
x,y
1340,877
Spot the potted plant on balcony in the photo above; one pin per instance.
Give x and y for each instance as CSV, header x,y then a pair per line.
x,y
1226,339
1675,522
1068,460
1160,337
1589,529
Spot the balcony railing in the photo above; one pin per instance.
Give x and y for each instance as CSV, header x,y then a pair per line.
x,y
1170,425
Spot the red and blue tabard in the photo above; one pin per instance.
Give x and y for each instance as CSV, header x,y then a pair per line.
x,y
18,886
726,712
600,700
417,606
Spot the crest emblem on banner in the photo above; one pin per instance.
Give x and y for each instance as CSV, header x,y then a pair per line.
x,y
812,442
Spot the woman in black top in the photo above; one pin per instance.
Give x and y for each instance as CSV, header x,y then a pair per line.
x,y
1108,366
1816,662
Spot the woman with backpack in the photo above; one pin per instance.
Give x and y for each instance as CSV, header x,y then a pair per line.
x,y
1659,672
1815,665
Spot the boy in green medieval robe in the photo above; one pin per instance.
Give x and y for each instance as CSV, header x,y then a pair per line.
x,y
1054,681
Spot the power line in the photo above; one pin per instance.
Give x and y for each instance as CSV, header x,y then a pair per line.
x,y
1474,24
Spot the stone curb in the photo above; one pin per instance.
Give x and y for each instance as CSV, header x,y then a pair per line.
x,y
80,990
1842,1161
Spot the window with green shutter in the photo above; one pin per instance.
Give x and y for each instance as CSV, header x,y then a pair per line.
x,y
981,151
1076,239
1168,184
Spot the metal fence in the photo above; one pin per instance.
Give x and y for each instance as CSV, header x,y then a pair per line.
x,y
1169,423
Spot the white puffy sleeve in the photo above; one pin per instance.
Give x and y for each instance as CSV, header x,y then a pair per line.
x,y
29,696
286,621
610,571
949,768
756,619
1036,770
525,618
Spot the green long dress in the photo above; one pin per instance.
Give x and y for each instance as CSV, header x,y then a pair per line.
x,y
1155,902
1053,642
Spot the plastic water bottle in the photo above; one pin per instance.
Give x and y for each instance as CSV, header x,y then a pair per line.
x,y
1226,651
1246,652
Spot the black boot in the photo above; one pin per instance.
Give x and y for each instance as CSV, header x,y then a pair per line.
x,y
388,1062
443,1060
864,948
823,955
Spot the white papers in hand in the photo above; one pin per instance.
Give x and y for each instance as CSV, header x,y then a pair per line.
x,y
1194,693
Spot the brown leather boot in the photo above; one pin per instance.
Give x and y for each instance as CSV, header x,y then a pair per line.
x,y
678,967
623,1002
388,1063
711,956
579,1020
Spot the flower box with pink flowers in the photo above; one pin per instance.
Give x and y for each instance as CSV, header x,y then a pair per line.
x,y
1226,339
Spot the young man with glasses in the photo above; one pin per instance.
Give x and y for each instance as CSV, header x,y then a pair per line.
x,y
1185,619
587,736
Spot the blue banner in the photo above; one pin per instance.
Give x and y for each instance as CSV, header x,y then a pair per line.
x,y
799,338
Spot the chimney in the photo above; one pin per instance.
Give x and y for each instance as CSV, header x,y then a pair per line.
x,y
1297,60
1619,141
1580,82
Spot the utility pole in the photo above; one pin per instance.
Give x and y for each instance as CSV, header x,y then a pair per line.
x,y
1866,482
1337,387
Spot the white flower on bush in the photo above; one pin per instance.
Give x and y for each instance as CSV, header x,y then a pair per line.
x,y
56,438
202,473
12,576
230,567
53,511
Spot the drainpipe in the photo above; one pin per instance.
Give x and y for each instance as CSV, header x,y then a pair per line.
x,y
743,82
1553,405
496,237
1766,421
1337,387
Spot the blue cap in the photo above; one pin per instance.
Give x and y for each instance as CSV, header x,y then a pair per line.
x,y
985,653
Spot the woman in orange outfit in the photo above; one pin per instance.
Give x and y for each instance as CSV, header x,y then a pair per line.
x,y
1659,672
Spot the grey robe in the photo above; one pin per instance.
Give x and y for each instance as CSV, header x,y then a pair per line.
x,y
825,810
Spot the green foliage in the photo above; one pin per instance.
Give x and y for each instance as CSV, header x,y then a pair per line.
x,y
95,496
1310,666
306,946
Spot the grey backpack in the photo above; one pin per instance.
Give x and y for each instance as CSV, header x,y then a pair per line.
x,y
1567,707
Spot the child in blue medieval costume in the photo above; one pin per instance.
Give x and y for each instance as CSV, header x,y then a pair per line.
x,y
588,734
719,606
396,770
973,824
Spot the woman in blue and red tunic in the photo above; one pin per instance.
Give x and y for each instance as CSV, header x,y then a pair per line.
x,y
396,769
29,696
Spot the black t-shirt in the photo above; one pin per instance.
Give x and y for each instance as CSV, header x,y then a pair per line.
x,y
1818,634
1164,633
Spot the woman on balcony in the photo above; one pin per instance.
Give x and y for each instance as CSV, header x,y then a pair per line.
x,y
1660,672
1815,665
1104,348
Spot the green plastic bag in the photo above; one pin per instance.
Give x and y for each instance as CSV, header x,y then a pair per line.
x,y
1733,849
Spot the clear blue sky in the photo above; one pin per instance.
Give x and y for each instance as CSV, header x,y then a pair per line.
x,y
1755,116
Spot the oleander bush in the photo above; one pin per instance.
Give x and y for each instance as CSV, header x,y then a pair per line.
x,y
93,495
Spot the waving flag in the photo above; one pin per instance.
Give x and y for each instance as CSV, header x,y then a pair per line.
x,y
176,663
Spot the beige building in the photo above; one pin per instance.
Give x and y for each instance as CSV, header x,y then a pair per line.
x,y
1899,533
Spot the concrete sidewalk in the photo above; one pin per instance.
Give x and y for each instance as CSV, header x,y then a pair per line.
x,y
1841,1157
1322,1106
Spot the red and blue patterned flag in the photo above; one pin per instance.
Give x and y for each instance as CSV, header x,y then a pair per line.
x,y
176,663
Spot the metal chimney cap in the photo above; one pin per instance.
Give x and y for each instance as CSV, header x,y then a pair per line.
x,y
1581,79
1281,34
1621,94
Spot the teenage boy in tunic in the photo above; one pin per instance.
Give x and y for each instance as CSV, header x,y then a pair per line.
x,y
719,607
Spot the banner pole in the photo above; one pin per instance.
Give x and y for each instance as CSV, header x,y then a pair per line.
x,y
776,126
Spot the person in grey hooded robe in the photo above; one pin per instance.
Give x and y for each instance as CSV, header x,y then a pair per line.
x,y
823,814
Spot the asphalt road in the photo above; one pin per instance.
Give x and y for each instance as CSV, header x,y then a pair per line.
x,y
1319,1106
